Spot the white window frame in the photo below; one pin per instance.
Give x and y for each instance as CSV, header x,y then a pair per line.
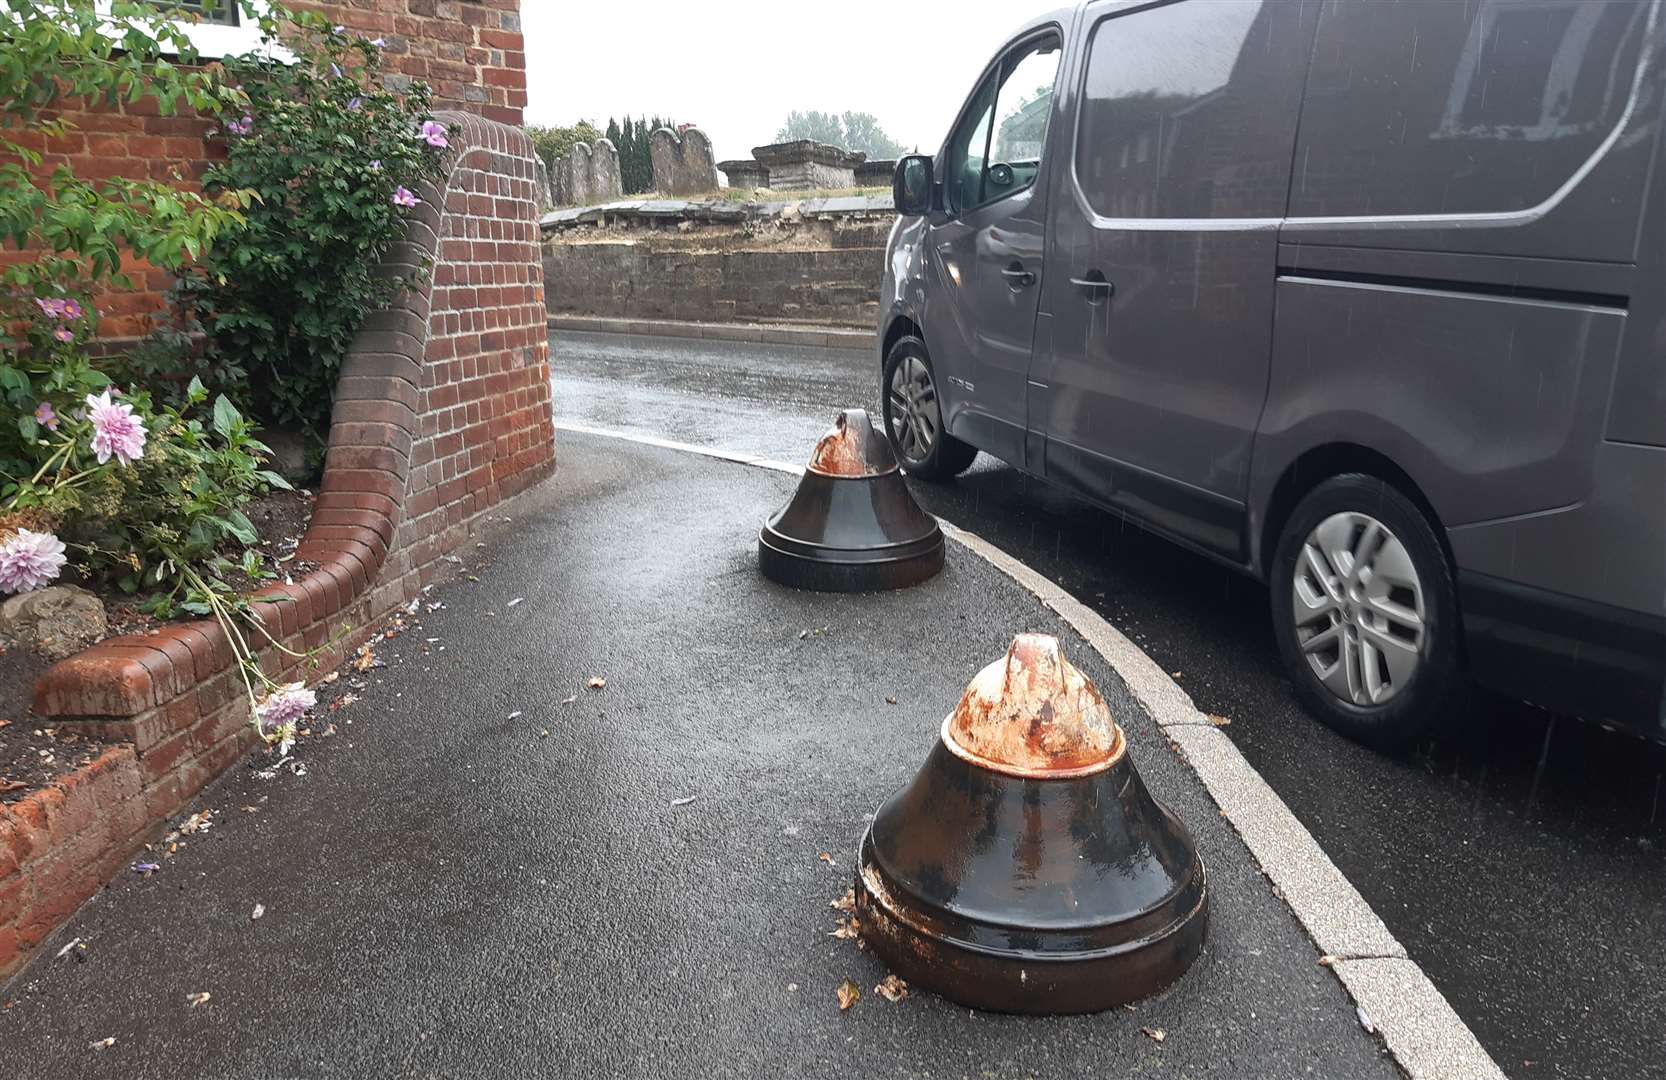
x,y
214,41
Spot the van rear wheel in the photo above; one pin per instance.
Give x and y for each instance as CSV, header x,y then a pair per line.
x,y
914,415
1365,611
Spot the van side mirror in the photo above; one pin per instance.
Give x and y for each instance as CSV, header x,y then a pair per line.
x,y
913,184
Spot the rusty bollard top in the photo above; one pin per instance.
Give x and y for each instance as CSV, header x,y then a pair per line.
x,y
852,447
1033,714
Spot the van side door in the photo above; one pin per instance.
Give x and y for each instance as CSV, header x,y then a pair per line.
x,y
1162,257
986,257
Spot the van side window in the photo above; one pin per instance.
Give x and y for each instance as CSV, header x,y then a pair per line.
x,y
1459,108
997,149
1189,110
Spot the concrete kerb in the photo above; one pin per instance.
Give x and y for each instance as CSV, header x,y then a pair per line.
x,y
825,337
1419,1026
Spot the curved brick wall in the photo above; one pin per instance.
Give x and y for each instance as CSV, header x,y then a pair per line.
x,y
442,411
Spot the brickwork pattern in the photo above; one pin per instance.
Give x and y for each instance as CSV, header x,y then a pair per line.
x,y
470,52
442,411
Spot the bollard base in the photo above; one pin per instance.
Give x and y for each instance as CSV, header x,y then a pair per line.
x,y
922,948
801,566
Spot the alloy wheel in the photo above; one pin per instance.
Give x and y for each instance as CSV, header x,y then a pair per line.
x,y
1359,609
916,421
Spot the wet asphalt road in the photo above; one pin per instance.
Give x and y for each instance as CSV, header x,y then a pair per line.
x,y
1521,859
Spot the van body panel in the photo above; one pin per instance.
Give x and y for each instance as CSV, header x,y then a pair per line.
x,y
1497,127
1494,406
1157,376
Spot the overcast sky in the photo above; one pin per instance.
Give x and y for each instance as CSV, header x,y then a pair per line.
x,y
737,70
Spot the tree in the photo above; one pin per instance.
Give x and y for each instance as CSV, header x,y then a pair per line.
x,y
553,143
856,131
863,134
636,165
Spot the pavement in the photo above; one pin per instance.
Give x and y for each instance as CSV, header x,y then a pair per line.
x,y
1517,859
493,870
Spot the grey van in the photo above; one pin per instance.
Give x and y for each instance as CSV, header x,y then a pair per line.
x,y
1365,299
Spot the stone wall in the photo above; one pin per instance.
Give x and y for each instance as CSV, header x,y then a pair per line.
x,y
683,164
587,174
832,287
442,411
876,173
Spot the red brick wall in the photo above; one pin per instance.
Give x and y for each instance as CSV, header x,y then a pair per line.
x,y
442,411
469,51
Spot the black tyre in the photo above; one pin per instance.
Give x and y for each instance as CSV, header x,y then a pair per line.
x,y
914,416
1366,613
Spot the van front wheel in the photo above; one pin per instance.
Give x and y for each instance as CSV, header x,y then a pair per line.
x,y
1365,611
914,415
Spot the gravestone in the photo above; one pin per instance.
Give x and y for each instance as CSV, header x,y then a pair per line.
x,y
587,174
804,163
682,165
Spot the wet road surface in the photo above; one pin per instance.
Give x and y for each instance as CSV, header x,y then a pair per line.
x,y
1521,860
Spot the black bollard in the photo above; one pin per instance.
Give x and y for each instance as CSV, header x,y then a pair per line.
x,y
852,526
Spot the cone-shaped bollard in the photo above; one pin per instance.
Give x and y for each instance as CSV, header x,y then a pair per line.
x,y
1026,868
852,525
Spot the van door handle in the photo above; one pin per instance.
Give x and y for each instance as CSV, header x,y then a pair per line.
x,y
1095,283
1018,276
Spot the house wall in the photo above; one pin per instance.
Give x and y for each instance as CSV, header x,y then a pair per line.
x,y
470,52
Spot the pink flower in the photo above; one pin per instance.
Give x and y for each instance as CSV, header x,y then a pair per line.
x,y
46,417
241,127
59,307
403,197
281,709
115,430
64,335
379,43
433,133
29,560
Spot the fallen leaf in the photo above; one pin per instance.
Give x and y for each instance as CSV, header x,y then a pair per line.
x,y
569,700
365,659
516,715
200,998
1327,960
1218,721
102,1044
826,858
802,634
892,989
331,677
847,930
1156,1034
1176,674
849,994
1365,1020
73,942
260,909
544,734
596,682
249,809
792,988
517,600
890,700
847,902
683,802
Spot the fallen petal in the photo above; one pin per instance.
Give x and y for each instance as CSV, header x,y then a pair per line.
x,y
1156,1034
849,994
892,989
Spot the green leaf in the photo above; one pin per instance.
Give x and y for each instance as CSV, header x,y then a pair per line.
x,y
226,416
196,393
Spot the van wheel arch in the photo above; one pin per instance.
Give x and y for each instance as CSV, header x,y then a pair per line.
x,y
1319,464
902,326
